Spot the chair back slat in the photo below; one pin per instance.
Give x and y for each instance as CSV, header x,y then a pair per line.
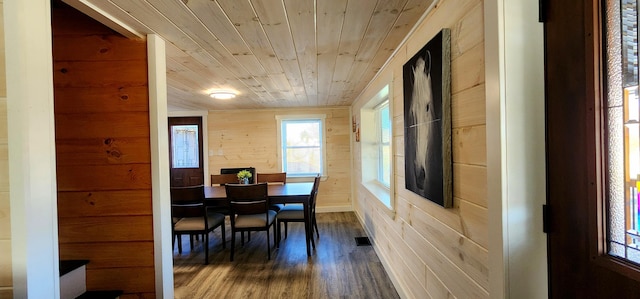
x,y
187,201
247,199
270,178
222,179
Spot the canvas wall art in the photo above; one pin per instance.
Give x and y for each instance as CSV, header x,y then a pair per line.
x,y
427,115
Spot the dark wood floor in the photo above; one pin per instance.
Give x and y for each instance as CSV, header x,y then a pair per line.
x,y
337,269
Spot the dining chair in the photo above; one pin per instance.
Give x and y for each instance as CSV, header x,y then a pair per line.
x,y
221,179
250,211
273,178
187,204
295,213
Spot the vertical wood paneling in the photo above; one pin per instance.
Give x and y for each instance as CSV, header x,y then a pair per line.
x,y
247,138
435,252
103,153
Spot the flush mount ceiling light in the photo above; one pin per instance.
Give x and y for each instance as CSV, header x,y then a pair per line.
x,y
222,95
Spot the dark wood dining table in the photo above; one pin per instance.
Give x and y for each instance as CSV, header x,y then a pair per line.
x,y
278,193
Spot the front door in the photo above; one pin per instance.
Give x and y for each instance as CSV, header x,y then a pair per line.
x,y
585,259
185,151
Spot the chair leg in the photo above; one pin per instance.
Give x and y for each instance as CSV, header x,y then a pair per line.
x,y
275,238
206,249
191,242
268,246
315,225
233,242
286,228
278,233
179,243
224,238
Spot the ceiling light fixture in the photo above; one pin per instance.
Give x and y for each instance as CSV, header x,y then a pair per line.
x,y
222,95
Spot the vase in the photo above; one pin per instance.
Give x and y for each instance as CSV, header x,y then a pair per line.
x,y
244,181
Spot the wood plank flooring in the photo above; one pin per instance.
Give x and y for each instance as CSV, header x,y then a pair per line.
x,y
337,269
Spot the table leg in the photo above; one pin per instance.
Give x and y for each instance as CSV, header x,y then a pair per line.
x,y
307,226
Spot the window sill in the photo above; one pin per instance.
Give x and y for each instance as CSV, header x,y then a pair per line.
x,y
382,194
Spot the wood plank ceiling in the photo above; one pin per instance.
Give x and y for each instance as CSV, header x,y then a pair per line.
x,y
272,53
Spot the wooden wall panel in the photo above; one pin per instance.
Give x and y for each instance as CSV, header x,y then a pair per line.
x,y
6,278
102,100
105,203
103,153
110,254
434,252
245,138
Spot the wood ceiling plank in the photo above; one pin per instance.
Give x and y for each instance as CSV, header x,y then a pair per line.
x,y
330,18
383,18
273,19
300,15
357,16
413,10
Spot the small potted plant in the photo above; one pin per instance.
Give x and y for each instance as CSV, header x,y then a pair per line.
x,y
243,176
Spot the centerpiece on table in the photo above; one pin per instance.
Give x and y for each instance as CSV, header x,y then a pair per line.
x,y
243,176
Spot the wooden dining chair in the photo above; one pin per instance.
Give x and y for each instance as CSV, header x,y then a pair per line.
x,y
295,213
187,205
221,179
272,178
250,211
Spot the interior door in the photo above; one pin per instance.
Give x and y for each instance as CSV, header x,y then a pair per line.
x,y
185,151
579,265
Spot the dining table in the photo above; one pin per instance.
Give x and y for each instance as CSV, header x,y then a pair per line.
x,y
288,193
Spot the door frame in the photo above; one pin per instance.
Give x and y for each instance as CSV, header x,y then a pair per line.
x,y
205,139
516,190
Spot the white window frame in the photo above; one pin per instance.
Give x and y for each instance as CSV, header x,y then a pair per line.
x,y
370,150
381,143
281,147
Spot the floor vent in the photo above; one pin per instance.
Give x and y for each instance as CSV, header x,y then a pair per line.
x,y
363,241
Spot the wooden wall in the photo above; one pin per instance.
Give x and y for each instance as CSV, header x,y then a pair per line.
x,y
103,153
434,252
245,138
6,280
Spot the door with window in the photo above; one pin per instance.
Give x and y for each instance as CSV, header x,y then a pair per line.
x,y
591,80
185,151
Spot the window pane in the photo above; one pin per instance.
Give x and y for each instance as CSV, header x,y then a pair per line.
x,y
384,149
300,133
184,146
303,160
302,146
623,134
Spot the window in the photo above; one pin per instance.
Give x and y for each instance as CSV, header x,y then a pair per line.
x,y
184,146
375,147
302,147
383,125
623,133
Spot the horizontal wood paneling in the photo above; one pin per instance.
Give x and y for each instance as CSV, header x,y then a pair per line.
x,y
83,73
103,151
110,254
102,99
435,252
126,279
469,145
104,203
112,177
97,48
249,138
97,125
103,164
105,229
